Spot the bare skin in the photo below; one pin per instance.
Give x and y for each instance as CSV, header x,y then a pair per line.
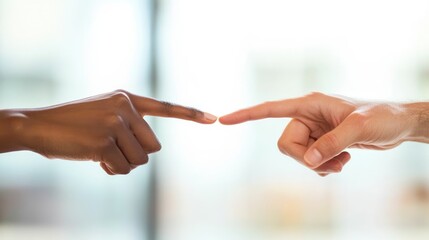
x,y
323,127
107,128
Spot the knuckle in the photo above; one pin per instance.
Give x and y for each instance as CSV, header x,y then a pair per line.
x,y
194,113
157,148
120,99
171,109
283,147
168,108
145,159
154,148
16,123
360,124
359,120
120,91
142,159
114,121
315,95
106,144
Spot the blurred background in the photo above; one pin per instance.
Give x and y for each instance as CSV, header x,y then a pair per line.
x,y
215,182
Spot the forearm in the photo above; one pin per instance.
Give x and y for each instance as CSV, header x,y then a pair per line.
x,y
419,115
12,130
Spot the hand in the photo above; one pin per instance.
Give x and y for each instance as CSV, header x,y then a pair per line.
x,y
323,126
107,128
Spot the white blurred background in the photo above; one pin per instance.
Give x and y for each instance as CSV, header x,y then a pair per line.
x,y
215,182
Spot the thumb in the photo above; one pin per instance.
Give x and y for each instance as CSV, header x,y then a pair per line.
x,y
331,145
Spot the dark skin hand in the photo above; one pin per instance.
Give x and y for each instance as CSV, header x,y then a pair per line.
x,y
107,128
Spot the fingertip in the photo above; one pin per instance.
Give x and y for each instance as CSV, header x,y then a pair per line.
x,y
106,169
229,119
223,120
334,165
209,118
344,158
152,149
347,155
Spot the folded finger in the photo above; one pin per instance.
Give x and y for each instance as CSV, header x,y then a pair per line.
x,y
106,168
295,139
144,135
115,161
131,148
335,165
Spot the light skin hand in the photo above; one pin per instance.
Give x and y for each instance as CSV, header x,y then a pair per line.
x,y
323,127
107,128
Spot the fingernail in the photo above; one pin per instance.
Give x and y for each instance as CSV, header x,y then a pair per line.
x,y
313,157
210,117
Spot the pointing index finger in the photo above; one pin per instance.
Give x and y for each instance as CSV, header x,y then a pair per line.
x,y
153,107
272,109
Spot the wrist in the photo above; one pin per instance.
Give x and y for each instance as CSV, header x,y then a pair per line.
x,y
418,114
12,130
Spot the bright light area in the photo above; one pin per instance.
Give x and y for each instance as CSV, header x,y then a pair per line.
x,y
216,182
231,182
